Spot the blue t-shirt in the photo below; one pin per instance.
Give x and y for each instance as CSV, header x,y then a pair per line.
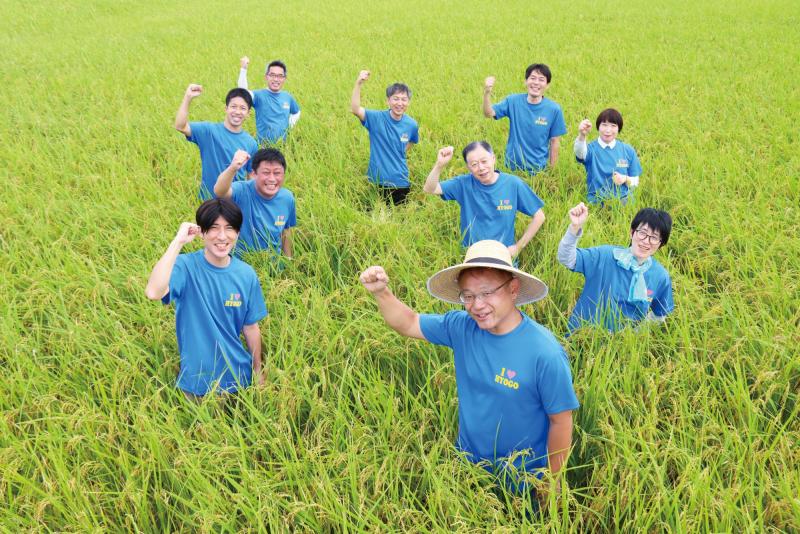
x,y
488,211
530,128
263,219
600,165
604,299
212,305
217,146
272,114
507,386
388,139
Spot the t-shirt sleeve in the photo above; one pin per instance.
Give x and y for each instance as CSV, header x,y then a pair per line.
x,y
292,220
554,384
662,304
559,127
238,192
501,109
587,259
200,132
414,138
528,202
451,189
370,116
437,328
177,280
294,107
635,168
256,308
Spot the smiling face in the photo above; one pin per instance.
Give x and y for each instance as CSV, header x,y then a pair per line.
x,y
398,104
536,83
493,307
644,242
276,77
480,163
236,112
219,241
269,177
608,131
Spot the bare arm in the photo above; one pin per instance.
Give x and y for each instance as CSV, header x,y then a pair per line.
x,y
158,283
555,144
223,186
533,227
397,315
182,115
559,439
432,185
286,243
355,98
488,85
252,337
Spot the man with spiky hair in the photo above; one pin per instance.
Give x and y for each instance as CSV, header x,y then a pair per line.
x,y
217,141
217,298
276,110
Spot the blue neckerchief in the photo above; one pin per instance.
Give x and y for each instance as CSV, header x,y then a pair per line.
x,y
626,260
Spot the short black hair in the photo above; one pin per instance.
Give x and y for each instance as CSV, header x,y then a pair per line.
x,y
475,144
244,94
656,220
609,115
210,210
539,67
398,88
276,63
270,155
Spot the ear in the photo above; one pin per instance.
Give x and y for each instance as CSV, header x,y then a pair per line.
x,y
251,174
514,286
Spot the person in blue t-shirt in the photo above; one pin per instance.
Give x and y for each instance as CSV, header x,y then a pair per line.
x,y
392,133
623,284
535,123
514,384
489,199
217,141
276,110
612,167
268,209
216,299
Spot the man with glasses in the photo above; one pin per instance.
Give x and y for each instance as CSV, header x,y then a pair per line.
x,y
622,284
489,199
276,110
514,384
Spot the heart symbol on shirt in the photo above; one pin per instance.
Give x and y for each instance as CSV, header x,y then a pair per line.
x,y
511,374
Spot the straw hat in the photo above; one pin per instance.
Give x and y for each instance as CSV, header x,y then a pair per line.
x,y
488,253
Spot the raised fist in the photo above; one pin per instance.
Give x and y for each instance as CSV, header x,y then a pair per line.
x,y
488,84
244,62
578,215
585,127
194,90
444,156
362,76
374,279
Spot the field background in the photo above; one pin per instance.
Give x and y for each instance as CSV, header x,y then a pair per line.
x,y
689,428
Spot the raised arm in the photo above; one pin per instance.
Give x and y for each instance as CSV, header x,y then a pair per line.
x,y
580,147
182,116
533,228
242,81
432,185
158,283
355,99
252,337
488,85
222,188
567,254
397,315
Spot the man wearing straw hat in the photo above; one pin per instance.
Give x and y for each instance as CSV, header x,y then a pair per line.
x,y
513,379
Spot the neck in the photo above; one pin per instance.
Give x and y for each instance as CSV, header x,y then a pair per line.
x,y
215,261
534,99
229,126
395,117
508,324
640,260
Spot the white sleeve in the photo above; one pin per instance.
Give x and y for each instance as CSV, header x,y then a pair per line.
x,y
634,181
242,81
293,119
580,148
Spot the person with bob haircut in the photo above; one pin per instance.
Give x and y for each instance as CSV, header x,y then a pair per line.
x,y
612,167
535,123
392,133
489,199
623,284
276,110
217,141
268,209
217,298
513,379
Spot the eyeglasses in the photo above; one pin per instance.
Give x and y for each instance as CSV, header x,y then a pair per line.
x,y
469,298
276,76
644,236
475,164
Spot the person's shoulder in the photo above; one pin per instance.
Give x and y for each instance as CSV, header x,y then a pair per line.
x,y
409,120
242,268
551,103
659,269
541,337
189,260
285,194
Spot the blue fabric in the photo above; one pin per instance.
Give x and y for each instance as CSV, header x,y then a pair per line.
x,y
217,146
388,139
272,114
600,165
530,128
489,211
507,386
606,291
212,305
638,289
263,220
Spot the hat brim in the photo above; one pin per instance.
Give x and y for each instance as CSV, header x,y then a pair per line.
x,y
444,284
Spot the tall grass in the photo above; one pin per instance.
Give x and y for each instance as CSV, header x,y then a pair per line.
x,y
692,427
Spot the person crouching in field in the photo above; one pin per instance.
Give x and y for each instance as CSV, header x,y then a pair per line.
x,y
217,141
392,133
268,209
216,298
612,167
489,199
515,394
276,110
622,284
